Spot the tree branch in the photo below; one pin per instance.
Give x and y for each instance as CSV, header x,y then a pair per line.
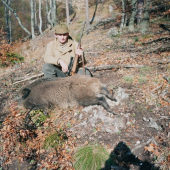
x,y
16,17
159,39
29,78
108,67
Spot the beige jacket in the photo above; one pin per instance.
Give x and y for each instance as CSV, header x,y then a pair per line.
x,y
54,52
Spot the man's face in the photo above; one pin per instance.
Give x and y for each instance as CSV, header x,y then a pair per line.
x,y
62,38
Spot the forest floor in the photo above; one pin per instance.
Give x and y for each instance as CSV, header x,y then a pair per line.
x,y
140,83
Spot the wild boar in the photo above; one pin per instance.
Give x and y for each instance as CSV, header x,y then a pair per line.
x,y
65,93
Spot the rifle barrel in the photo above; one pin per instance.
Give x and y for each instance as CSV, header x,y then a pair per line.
x,y
82,32
76,56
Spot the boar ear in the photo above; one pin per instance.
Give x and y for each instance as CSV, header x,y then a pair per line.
x,y
25,93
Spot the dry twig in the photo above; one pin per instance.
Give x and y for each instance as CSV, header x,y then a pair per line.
x,y
29,78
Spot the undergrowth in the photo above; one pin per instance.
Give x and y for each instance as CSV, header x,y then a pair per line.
x,y
7,55
38,117
54,140
29,143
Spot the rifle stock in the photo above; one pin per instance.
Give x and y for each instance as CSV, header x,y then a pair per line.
x,y
73,71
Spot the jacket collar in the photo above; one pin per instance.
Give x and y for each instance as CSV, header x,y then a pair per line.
x,y
66,49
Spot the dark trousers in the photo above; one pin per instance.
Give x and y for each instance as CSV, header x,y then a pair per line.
x,y
51,70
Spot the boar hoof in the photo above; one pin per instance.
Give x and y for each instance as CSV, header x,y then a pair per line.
x,y
111,111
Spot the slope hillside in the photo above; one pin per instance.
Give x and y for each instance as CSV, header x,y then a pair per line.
x,y
136,69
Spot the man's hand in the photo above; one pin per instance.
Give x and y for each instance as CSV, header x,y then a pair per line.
x,y
79,52
63,65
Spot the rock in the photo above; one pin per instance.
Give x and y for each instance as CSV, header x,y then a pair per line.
x,y
111,9
91,116
113,31
119,123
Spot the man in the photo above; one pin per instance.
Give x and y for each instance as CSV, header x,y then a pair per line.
x,y
58,54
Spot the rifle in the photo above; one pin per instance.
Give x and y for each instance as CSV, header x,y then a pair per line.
x,y
70,67
73,70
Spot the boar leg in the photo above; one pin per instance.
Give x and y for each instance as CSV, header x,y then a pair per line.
x,y
102,101
105,91
32,106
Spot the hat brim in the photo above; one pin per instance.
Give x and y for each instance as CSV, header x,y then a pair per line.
x,y
61,31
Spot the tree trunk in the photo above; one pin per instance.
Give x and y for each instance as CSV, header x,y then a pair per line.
x,y
67,12
140,11
54,18
35,16
87,14
10,23
71,11
46,12
7,24
145,20
133,15
40,26
32,19
123,15
96,2
50,19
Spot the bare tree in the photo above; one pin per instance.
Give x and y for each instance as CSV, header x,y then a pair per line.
x,y
40,25
139,11
32,19
15,14
67,12
87,14
146,16
46,5
133,16
49,12
96,2
50,15
123,21
7,23
52,12
70,7
54,15
35,16
10,23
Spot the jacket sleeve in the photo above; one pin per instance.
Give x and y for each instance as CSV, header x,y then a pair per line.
x,y
49,56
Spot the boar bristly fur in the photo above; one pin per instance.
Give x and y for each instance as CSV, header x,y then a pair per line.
x,y
65,92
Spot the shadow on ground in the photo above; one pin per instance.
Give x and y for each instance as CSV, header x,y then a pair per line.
x,y
121,158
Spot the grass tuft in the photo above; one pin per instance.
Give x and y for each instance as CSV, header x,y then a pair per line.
x,y
142,79
128,78
90,157
145,69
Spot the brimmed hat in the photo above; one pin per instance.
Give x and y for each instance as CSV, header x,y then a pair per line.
x,y
61,29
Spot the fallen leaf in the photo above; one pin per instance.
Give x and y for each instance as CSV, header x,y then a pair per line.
x,y
78,136
86,143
